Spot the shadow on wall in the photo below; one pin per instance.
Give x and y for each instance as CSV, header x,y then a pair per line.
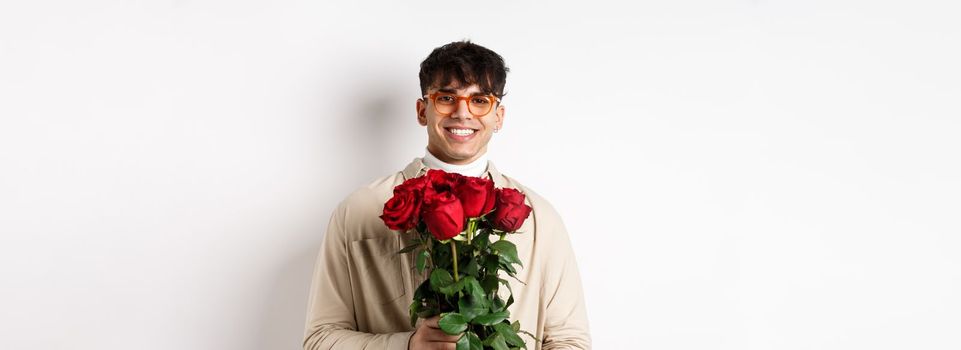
x,y
377,120
361,139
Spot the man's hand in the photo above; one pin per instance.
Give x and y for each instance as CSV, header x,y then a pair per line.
x,y
429,336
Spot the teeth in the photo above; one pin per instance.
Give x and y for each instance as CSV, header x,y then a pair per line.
x,y
461,132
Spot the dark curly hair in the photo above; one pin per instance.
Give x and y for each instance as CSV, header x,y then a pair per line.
x,y
465,63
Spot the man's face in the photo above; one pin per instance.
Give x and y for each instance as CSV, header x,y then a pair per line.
x,y
446,138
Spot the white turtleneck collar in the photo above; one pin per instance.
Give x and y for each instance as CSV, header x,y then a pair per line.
x,y
476,168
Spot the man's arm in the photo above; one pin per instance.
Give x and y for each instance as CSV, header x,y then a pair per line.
x,y
566,325
330,307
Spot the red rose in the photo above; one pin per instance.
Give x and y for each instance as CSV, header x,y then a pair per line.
x,y
510,211
402,211
443,215
441,181
476,195
509,196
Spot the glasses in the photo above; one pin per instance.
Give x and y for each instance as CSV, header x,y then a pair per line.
x,y
446,103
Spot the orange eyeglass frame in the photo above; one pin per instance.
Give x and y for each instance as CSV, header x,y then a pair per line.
x,y
457,100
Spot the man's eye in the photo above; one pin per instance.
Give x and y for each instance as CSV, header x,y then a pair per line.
x,y
479,101
445,99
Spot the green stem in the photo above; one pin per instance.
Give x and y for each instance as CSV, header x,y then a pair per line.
x,y
428,245
453,251
471,226
469,231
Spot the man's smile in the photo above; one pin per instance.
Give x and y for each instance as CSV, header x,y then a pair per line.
x,y
460,134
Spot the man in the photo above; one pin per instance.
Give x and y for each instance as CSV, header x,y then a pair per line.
x,y
362,288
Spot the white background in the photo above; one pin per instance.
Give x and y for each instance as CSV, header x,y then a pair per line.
x,y
734,174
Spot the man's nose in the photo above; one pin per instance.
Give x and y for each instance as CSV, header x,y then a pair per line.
x,y
462,111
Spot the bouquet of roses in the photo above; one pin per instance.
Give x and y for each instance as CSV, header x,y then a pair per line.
x,y
457,219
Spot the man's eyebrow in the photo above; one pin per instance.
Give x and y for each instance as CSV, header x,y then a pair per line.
x,y
454,91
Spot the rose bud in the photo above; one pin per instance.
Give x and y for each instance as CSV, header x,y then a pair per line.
x,y
443,215
476,195
510,211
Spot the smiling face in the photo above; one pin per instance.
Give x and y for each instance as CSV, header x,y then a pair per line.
x,y
461,137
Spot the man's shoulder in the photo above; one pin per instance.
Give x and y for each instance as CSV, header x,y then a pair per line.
x,y
539,204
544,222
358,214
373,194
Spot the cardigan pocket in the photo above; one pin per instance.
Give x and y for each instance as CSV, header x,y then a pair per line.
x,y
377,276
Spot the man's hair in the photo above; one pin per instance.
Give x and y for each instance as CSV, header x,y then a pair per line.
x,y
464,63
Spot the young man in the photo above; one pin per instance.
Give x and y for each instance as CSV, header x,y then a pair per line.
x,y
362,289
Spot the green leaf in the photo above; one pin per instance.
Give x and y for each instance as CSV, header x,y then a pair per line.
x,y
507,284
440,278
516,325
473,287
427,313
482,240
441,257
497,342
469,341
422,290
463,343
414,309
422,260
409,248
470,308
508,250
491,262
536,340
475,301
492,318
453,323
509,334
506,266
475,342
498,304
489,283
471,268
452,289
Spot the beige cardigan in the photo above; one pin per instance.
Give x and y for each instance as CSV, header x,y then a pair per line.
x,y
362,289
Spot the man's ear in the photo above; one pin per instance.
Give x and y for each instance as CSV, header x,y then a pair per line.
x,y
421,112
499,112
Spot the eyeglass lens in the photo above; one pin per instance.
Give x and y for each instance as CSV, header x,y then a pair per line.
x,y
476,105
